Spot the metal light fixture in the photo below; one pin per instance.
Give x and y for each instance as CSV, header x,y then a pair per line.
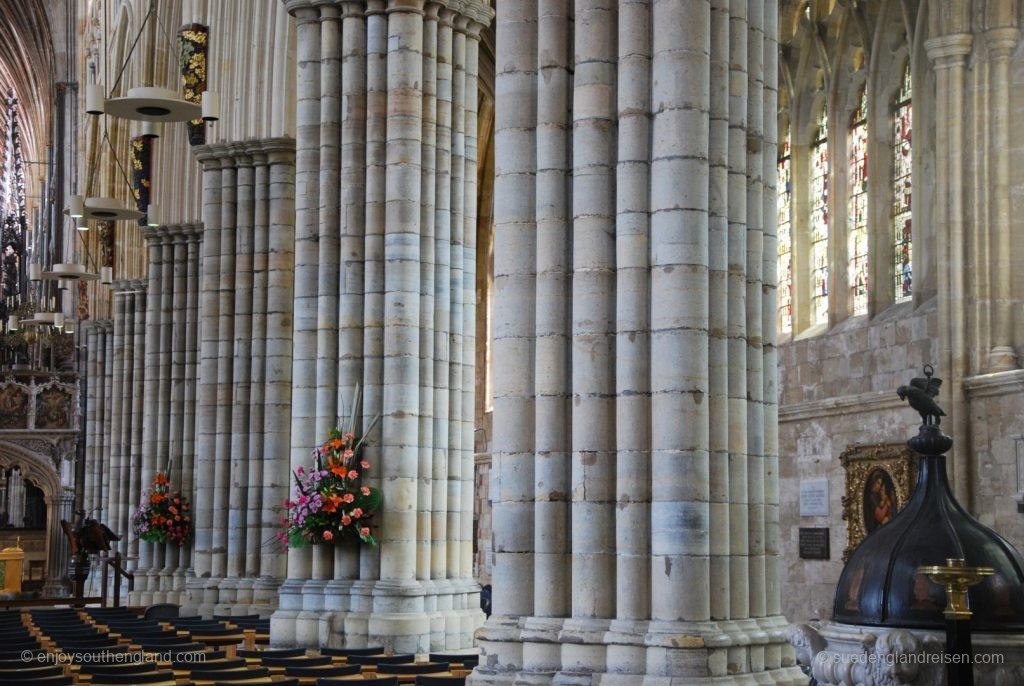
x,y
109,209
153,215
106,275
69,272
95,101
12,322
153,104
151,129
35,272
82,224
211,106
69,326
76,206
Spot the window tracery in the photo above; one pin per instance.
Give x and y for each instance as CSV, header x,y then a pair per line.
x,y
902,188
857,206
819,224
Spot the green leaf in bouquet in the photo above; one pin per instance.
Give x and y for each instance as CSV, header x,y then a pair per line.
x,y
369,503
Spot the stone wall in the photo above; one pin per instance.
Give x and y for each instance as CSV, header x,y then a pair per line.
x,y
838,390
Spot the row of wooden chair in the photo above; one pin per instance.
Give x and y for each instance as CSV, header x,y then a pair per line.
x,y
116,646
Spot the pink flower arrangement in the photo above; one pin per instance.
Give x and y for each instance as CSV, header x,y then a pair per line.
x,y
329,503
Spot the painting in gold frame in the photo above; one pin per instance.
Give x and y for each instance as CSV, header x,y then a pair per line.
x,y
879,481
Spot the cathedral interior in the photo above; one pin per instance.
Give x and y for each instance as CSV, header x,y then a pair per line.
x,y
512,342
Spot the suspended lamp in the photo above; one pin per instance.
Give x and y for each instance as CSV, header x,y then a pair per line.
x,y
69,272
108,209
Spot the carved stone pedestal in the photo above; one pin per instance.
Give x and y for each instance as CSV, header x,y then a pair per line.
x,y
849,655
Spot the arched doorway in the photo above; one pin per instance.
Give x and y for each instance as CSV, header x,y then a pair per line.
x,y
32,503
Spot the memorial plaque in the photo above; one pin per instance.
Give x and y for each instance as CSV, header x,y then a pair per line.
x,y
814,543
814,497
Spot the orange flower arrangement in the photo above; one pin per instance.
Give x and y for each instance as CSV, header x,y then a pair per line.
x,y
163,516
329,502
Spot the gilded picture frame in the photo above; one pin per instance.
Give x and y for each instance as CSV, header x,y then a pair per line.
x,y
879,480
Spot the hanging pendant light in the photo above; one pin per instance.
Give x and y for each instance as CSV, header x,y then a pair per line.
x,y
82,224
211,106
95,101
35,272
76,206
12,322
108,209
153,104
151,129
153,215
70,272
58,320
106,275
69,326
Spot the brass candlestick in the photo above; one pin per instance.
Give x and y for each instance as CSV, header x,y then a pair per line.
x,y
957,577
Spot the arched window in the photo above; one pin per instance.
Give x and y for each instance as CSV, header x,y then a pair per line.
x,y
902,188
819,222
785,240
857,210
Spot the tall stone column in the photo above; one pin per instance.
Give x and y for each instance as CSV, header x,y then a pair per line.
x,y
285,623
135,464
379,304
113,499
169,585
948,51
206,418
57,558
152,396
237,587
247,292
1002,40
672,499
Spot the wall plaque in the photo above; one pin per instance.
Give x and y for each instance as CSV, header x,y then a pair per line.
x,y
814,543
814,497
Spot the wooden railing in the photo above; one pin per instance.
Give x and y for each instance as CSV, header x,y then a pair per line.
x,y
119,572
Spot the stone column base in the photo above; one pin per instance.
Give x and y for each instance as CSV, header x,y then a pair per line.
x,y
406,617
594,652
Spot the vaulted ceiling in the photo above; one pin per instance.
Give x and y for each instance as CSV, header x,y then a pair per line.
x,y
26,65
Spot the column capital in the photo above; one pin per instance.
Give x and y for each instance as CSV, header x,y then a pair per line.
x,y
210,156
352,8
948,51
407,6
1002,40
304,11
151,234
330,10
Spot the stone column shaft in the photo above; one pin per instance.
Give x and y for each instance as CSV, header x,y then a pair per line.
x,y
254,540
754,362
136,484
632,314
1002,40
241,377
736,331
442,289
225,371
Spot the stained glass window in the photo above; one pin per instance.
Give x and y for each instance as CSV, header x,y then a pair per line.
x,y
902,187
819,223
785,240
857,208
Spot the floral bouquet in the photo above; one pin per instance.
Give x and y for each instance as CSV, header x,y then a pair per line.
x,y
163,516
329,502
